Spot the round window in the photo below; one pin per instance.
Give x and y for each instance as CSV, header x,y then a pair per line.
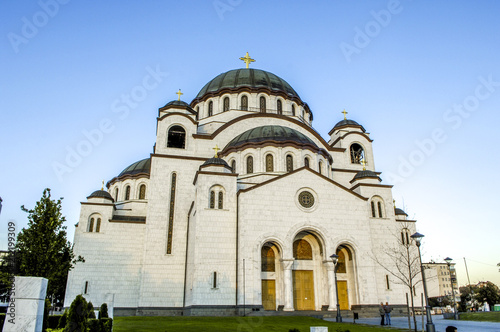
x,y
306,199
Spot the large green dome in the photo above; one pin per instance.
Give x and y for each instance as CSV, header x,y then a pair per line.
x,y
247,78
141,166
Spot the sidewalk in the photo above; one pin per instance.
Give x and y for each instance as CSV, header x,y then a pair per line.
x,y
439,322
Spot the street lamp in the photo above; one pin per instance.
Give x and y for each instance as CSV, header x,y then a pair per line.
x,y
430,326
335,259
455,313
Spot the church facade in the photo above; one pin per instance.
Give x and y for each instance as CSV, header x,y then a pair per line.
x,y
249,226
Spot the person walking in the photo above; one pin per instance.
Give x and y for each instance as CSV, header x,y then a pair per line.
x,y
382,313
387,311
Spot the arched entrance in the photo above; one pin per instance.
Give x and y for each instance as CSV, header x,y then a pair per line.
x,y
346,280
307,254
271,275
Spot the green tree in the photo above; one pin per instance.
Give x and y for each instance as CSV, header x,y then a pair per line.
x,y
103,312
467,295
42,249
488,293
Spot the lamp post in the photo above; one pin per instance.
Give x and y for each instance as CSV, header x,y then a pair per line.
x,y
455,313
430,325
335,259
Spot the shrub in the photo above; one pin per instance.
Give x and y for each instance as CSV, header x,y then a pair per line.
x,y
63,320
77,316
106,324
103,312
94,325
53,322
46,310
90,310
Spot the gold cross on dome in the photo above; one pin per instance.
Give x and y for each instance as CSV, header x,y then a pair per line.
x,y
216,150
363,162
247,59
102,187
345,113
179,93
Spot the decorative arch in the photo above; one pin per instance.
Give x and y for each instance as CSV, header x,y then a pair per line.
x,y
307,161
210,108
249,164
269,162
377,207
176,137
142,191
127,193
225,104
289,163
279,106
94,223
217,195
262,104
233,166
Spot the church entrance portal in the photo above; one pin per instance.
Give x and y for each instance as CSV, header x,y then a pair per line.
x,y
303,290
269,294
343,295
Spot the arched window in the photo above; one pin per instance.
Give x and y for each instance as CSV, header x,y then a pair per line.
x,y
176,137
293,110
263,104
380,214
233,166
268,259
320,167
244,103
116,195
249,164
373,209
280,107
98,225
91,225
221,200
306,162
269,163
197,113
142,191
341,268
226,104
210,108
289,163
357,153
127,193
212,199
302,250
405,237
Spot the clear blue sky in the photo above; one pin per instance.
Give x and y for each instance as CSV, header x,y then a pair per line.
x,y
408,71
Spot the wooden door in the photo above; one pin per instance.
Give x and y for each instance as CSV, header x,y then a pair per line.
x,y
269,294
303,290
343,296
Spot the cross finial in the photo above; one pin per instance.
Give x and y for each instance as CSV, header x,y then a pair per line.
x,y
345,113
216,150
102,186
363,162
179,93
394,202
247,59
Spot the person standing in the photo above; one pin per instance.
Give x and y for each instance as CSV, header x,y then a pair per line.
x,y
387,310
382,313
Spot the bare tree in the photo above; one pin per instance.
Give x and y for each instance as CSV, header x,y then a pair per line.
x,y
404,262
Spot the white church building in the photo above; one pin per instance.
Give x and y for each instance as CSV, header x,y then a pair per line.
x,y
186,232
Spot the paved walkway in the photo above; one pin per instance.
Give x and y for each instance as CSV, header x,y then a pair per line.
x,y
439,322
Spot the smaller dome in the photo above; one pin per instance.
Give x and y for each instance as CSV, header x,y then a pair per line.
x,y
270,133
348,122
398,211
177,103
141,166
215,161
365,174
101,194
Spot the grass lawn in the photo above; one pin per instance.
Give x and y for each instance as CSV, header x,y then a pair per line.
x,y
492,316
233,324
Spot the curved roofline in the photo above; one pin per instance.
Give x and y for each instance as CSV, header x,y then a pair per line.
x,y
351,133
269,115
125,177
160,118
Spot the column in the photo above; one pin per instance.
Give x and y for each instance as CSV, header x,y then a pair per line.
x,y
331,285
287,279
